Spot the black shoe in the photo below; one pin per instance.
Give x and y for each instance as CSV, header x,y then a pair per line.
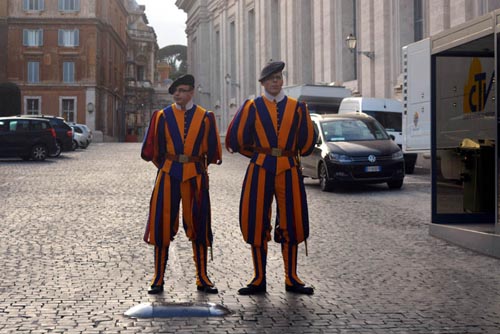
x,y
207,289
155,289
252,290
301,289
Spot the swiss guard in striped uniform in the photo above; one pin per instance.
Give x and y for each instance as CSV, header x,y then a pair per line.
x,y
182,140
273,130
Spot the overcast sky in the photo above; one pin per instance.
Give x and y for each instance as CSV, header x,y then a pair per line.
x,y
168,21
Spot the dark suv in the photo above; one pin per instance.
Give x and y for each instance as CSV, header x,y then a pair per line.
x,y
64,132
26,138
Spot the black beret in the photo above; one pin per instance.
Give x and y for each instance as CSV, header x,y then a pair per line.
x,y
186,79
271,68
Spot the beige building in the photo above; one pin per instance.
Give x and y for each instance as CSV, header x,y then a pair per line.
x,y
229,41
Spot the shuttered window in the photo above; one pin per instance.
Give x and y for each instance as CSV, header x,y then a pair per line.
x,y
69,37
69,5
32,37
69,72
33,4
33,72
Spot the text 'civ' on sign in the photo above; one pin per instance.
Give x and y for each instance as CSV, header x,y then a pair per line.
x,y
173,310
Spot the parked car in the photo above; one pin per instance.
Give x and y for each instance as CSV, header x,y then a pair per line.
x,y
79,139
82,135
389,113
64,133
353,148
28,138
87,131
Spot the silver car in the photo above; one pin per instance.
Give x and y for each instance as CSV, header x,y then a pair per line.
x,y
82,135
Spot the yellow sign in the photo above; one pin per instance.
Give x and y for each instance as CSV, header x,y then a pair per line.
x,y
475,90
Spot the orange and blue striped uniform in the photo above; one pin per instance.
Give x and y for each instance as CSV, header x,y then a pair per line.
x,y
264,131
181,144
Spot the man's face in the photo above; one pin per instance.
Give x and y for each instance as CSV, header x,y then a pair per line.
x,y
183,94
273,83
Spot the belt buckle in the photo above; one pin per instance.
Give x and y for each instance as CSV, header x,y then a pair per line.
x,y
276,152
183,158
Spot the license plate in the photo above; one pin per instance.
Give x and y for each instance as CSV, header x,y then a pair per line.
x,y
373,169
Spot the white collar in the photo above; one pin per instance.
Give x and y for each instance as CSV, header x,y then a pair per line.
x,y
189,105
278,97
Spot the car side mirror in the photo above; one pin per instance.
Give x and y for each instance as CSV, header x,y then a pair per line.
x,y
392,137
319,141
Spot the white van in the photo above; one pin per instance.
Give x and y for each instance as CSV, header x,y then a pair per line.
x,y
388,112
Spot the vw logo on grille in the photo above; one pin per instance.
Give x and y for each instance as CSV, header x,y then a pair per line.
x,y
372,158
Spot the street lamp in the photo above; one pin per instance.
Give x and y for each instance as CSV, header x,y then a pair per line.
x,y
351,45
90,107
229,81
201,91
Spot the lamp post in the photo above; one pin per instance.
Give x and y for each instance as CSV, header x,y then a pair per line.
x,y
90,107
352,43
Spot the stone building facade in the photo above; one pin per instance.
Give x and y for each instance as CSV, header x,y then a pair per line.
x,y
142,53
229,41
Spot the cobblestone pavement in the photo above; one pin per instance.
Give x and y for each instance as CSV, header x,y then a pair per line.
x,y
73,259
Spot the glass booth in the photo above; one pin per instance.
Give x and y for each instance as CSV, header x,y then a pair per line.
x,y
465,128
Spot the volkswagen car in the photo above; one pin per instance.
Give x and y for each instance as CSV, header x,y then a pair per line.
x,y
353,148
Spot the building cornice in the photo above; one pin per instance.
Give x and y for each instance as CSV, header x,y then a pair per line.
x,y
55,21
185,5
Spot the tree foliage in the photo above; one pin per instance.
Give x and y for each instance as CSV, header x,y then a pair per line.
x,y
175,56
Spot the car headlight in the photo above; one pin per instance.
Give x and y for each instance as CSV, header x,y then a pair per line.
x,y
397,155
342,158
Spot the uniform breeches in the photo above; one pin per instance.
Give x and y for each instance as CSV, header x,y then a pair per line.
x,y
163,223
259,189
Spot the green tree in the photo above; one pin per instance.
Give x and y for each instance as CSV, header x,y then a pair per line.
x,y
176,56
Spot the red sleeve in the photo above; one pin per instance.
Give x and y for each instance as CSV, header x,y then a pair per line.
x,y
147,150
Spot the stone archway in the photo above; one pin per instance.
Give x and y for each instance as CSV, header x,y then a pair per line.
x,y
10,99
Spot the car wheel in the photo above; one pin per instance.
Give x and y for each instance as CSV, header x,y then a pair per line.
x,y
324,182
39,153
395,184
74,145
58,150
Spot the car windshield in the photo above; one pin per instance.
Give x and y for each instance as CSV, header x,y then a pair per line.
x,y
391,121
352,130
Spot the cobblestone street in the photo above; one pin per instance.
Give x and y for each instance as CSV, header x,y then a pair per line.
x,y
73,259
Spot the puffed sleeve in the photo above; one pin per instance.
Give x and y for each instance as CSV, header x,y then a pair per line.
x,y
307,136
153,145
240,133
